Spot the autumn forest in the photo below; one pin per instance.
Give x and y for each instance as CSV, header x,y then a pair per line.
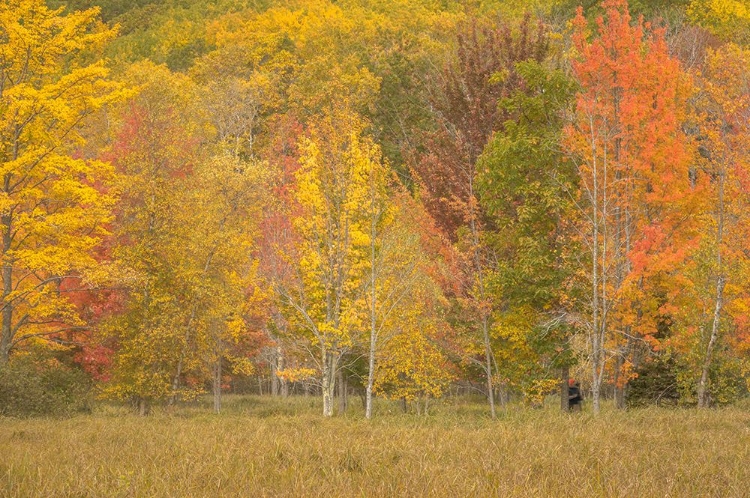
x,y
363,200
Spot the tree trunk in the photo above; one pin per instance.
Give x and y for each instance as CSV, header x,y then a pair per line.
x,y
488,366
703,394
596,377
144,407
373,307
274,377
183,355
477,260
370,375
597,325
6,337
280,366
598,273
217,386
329,382
342,392
564,399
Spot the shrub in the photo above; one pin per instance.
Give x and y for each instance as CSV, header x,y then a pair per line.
x,y
43,387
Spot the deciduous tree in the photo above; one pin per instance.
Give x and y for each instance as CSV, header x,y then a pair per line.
x,y
54,203
632,161
527,187
466,114
713,315
326,262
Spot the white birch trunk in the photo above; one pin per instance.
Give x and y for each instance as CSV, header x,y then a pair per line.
x,y
328,382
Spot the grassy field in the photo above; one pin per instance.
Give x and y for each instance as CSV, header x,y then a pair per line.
x,y
269,447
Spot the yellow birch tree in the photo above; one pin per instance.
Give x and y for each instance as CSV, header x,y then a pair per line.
x,y
329,262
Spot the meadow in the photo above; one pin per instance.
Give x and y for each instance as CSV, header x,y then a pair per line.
x,y
261,446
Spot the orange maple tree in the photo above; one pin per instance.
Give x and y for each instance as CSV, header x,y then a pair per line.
x,y
636,192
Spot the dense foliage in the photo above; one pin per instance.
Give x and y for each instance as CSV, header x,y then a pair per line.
x,y
381,197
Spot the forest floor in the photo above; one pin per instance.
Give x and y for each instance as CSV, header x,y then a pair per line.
x,y
262,446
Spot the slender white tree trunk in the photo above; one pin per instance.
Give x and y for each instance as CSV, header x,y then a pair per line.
x,y
329,382
488,366
373,312
484,318
598,283
370,375
702,394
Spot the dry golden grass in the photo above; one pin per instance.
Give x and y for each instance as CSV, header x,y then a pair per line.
x,y
265,447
